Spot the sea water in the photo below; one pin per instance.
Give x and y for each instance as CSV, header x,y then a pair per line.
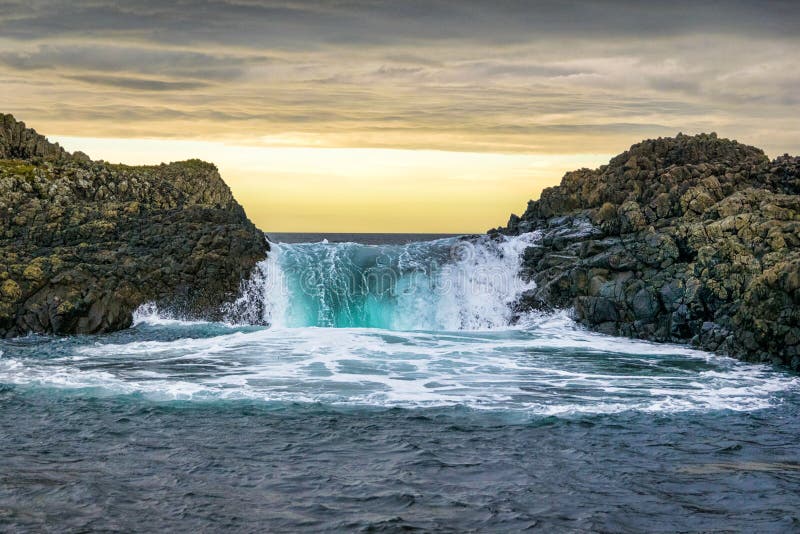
x,y
393,388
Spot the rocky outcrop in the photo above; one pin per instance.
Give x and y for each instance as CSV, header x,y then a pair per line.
x,y
83,243
687,239
19,142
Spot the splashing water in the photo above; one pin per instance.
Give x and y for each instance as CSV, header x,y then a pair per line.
x,y
447,284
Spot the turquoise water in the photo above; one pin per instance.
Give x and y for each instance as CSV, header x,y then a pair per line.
x,y
448,284
393,390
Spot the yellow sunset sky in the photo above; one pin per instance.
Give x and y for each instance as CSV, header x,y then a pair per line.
x,y
378,116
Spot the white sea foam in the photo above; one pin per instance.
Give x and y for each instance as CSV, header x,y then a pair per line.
x,y
150,313
556,368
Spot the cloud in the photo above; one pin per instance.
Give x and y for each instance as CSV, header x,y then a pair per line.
x,y
504,76
306,24
105,57
137,84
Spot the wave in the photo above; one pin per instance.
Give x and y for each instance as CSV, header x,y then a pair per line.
x,y
446,284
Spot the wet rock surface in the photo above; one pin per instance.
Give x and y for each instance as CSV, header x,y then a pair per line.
x,y
83,243
688,239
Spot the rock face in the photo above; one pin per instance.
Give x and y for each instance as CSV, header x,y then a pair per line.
x,y
687,239
83,243
19,142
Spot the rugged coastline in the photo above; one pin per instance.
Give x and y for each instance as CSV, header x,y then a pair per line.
x,y
691,239
83,243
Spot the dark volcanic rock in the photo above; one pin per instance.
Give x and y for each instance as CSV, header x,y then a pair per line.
x,y
84,243
686,239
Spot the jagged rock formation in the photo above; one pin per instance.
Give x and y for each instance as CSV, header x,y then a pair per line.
x,y
686,239
83,243
19,142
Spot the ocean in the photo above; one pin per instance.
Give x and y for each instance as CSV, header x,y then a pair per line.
x,y
395,389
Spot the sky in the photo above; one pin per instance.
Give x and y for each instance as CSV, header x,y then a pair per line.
x,y
396,116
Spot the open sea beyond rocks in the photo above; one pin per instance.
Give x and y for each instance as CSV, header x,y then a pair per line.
x,y
390,393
